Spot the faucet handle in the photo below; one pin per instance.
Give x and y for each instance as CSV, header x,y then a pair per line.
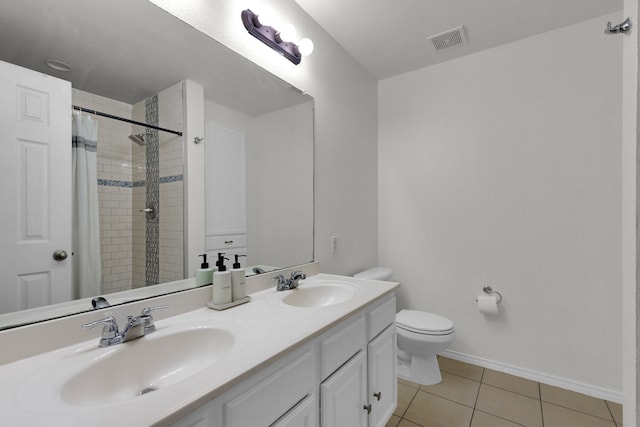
x,y
149,326
298,275
110,333
279,278
109,323
147,310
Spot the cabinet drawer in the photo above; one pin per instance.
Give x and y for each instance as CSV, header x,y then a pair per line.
x,y
381,316
343,342
272,397
226,241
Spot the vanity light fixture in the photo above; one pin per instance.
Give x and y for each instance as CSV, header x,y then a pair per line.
x,y
275,39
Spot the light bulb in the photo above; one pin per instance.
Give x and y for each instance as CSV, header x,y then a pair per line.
x,y
305,47
266,15
288,32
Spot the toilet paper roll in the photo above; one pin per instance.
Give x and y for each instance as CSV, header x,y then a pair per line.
x,y
488,304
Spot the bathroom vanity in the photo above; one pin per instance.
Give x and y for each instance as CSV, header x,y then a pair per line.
x,y
320,355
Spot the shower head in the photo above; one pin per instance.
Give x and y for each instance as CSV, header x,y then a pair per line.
x,y
138,139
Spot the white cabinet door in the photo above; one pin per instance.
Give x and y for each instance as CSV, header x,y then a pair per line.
x,y
303,415
343,396
225,181
383,389
35,118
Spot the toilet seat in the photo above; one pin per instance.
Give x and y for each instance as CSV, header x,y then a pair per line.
x,y
422,322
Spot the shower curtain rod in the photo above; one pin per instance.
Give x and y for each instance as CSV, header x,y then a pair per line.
x,y
122,119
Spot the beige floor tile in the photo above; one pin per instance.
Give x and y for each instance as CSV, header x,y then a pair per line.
x,y
576,401
393,421
405,423
616,411
511,383
461,369
557,416
405,396
455,388
508,405
408,383
429,410
481,419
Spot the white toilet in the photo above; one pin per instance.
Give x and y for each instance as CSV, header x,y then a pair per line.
x,y
421,336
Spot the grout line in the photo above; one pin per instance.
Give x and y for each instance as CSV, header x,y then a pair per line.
x,y
448,399
610,412
541,410
410,402
502,418
475,403
582,412
478,394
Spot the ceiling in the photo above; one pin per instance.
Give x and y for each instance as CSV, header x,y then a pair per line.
x,y
388,37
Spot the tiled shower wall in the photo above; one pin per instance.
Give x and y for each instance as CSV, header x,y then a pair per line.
x,y
170,237
122,176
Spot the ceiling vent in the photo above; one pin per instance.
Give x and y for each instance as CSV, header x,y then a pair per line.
x,y
449,39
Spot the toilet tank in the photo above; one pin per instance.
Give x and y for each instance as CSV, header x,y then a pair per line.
x,y
377,273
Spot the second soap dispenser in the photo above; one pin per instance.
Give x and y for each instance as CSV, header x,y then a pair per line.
x,y
221,282
238,276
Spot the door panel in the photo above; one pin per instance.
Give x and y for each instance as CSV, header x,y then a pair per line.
x,y
35,216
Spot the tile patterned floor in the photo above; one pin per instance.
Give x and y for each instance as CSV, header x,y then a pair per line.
x,y
472,396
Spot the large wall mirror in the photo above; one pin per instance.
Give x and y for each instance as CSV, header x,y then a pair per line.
x,y
132,60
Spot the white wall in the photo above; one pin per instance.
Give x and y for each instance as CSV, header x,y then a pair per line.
x,y
630,219
502,168
345,124
280,165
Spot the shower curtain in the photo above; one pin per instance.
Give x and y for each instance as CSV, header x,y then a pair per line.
x,y
86,231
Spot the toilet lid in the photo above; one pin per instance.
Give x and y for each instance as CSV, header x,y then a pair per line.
x,y
423,323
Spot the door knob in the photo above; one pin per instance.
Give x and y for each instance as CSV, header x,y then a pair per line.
x,y
60,255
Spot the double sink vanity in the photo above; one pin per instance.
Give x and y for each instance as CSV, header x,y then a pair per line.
x,y
322,354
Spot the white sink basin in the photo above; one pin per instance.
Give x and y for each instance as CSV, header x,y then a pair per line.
x,y
316,293
147,364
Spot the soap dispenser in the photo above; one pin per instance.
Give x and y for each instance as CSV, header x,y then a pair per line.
x,y
238,276
204,275
221,282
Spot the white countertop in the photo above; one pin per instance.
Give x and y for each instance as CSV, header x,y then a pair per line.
x,y
264,330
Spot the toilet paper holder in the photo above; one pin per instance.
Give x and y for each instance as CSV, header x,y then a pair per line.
x,y
489,291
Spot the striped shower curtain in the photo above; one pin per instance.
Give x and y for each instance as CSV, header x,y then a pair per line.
x,y
86,230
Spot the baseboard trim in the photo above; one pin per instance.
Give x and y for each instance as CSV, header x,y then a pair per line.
x,y
590,390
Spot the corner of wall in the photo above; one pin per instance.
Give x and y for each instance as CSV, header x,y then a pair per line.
x,y
194,172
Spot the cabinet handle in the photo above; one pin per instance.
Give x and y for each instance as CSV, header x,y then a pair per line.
x,y
367,408
227,242
378,395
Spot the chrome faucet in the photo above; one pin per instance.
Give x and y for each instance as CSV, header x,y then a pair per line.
x,y
136,327
291,282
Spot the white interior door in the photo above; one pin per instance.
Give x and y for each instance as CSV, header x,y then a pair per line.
x,y
35,214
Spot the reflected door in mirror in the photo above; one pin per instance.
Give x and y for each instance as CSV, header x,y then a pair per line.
x,y
36,190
